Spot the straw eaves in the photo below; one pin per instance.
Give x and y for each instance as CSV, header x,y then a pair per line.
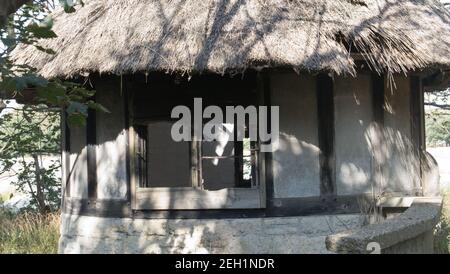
x,y
128,36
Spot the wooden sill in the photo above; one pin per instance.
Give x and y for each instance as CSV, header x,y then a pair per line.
x,y
162,198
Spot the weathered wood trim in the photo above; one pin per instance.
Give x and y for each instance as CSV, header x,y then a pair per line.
x,y
195,163
160,198
91,157
345,204
287,207
132,148
66,153
325,109
100,208
378,98
126,109
133,170
238,161
416,122
267,158
422,116
378,103
259,160
415,111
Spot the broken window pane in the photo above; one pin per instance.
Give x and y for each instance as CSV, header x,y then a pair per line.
x,y
226,163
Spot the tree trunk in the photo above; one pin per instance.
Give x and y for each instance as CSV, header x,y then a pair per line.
x,y
40,196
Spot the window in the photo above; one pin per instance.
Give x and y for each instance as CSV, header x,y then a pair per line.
x,y
189,174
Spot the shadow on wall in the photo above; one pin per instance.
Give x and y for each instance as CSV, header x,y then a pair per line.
x,y
395,161
109,153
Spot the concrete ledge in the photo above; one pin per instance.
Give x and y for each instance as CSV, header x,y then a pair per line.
x,y
393,235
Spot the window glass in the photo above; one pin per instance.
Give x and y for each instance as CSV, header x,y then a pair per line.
x,y
168,162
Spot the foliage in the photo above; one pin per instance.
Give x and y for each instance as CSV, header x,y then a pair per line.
x,y
27,26
26,136
437,118
442,231
438,127
28,232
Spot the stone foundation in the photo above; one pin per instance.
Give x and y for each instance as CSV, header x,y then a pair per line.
x,y
83,234
408,233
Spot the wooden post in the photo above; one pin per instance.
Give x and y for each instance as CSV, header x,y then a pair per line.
x,y
378,102
65,154
91,140
416,124
325,109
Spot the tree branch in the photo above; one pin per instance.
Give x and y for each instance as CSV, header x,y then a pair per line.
x,y
444,106
8,7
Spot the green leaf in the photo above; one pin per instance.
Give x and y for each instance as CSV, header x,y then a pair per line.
x,y
47,22
46,50
52,93
76,120
76,107
35,80
98,107
68,5
79,91
19,83
41,31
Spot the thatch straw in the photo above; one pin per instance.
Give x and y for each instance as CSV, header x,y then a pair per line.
x,y
127,36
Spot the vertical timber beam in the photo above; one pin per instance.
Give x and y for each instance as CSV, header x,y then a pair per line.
x,y
378,101
66,153
259,165
325,109
91,139
196,163
378,98
416,124
416,127
126,110
268,157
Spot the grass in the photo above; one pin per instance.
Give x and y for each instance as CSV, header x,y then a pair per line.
x,y
442,232
4,196
27,233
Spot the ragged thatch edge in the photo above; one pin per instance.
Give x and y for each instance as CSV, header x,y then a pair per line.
x,y
384,50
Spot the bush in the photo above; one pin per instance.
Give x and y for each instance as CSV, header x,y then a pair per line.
x,y
28,232
442,231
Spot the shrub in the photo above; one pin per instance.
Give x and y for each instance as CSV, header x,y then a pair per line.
x,y
28,232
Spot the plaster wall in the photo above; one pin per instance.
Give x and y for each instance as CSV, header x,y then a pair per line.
x,y
401,164
353,116
78,163
296,160
111,142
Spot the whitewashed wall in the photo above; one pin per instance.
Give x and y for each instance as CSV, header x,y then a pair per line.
x,y
353,116
296,160
78,163
111,142
402,166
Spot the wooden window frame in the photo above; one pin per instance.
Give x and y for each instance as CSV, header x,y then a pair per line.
x,y
195,198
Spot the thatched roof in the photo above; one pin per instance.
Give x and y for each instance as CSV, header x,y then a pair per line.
x,y
126,36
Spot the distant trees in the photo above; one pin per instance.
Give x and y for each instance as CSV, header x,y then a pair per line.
x,y
29,133
437,118
28,136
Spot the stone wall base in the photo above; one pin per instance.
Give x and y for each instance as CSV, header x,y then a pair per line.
x,y
306,234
